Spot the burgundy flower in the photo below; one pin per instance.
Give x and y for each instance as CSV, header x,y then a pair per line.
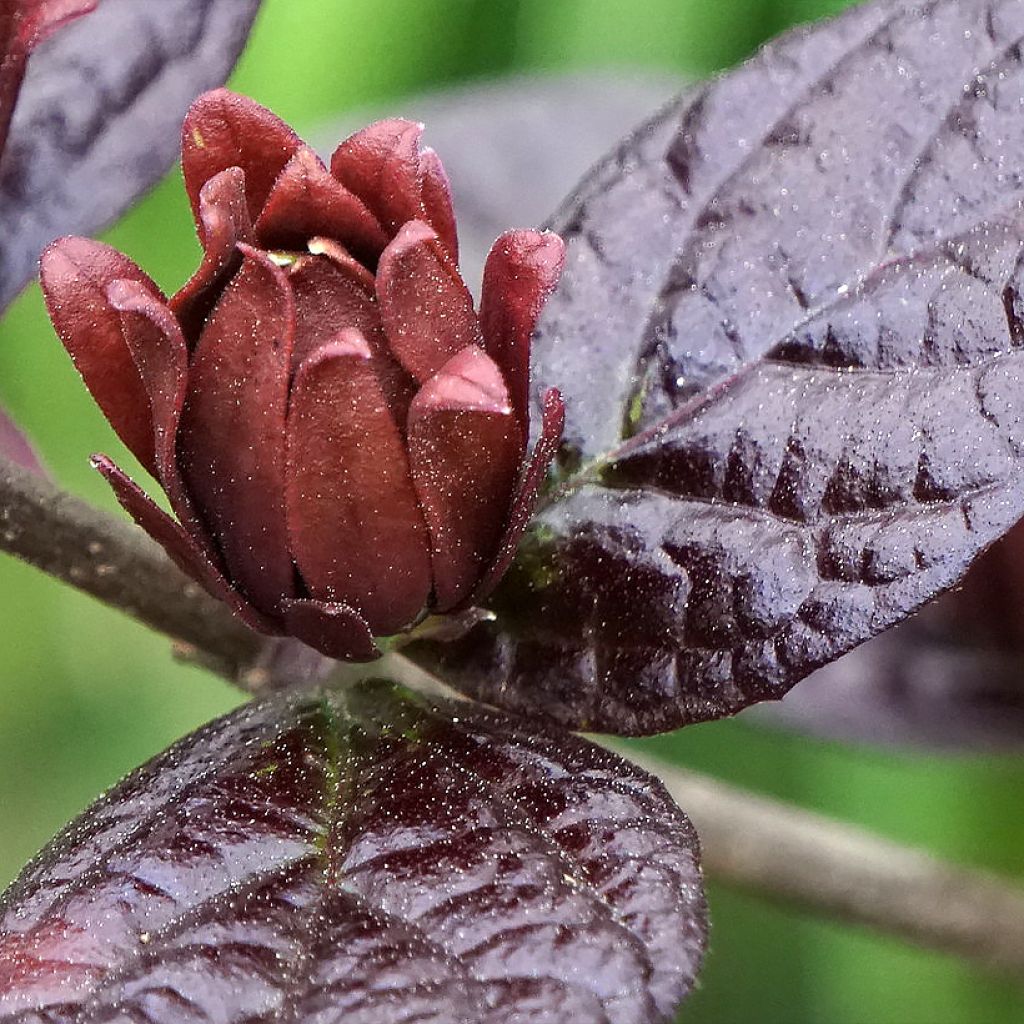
x,y
341,436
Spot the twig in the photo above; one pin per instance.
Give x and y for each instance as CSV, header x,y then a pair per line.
x,y
771,848
117,563
788,854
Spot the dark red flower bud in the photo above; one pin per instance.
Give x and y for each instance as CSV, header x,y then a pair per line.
x,y
341,437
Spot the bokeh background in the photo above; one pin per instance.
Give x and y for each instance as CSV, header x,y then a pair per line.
x,y
87,695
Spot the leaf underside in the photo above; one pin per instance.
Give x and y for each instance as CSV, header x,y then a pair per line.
x,y
99,115
362,857
789,339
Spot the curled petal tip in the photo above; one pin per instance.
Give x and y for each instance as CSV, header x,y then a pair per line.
x,y
469,381
54,247
352,343
125,294
223,129
414,232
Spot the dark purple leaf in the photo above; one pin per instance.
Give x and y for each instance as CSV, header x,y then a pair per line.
x,y
911,686
99,116
362,856
950,678
788,336
24,24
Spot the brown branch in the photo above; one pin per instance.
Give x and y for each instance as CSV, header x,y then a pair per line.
x,y
771,848
782,852
118,564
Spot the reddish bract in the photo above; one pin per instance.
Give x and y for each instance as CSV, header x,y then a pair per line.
x,y
342,439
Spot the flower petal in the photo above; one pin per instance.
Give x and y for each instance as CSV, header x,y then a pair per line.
x,y
332,294
158,349
223,222
222,130
231,443
306,201
464,452
179,545
381,165
522,269
437,202
74,273
331,628
319,245
356,530
426,308
552,425
161,356
329,296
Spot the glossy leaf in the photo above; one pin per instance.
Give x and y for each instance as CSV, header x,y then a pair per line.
x,y
788,335
365,857
99,114
951,678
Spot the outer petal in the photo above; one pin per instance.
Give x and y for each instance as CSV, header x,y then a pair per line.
x,y
231,444
158,348
306,201
356,531
552,425
426,308
222,130
329,296
223,222
180,547
333,629
522,269
75,273
437,202
464,451
332,294
381,165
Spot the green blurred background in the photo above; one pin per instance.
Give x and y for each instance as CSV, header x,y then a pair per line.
x,y
87,695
